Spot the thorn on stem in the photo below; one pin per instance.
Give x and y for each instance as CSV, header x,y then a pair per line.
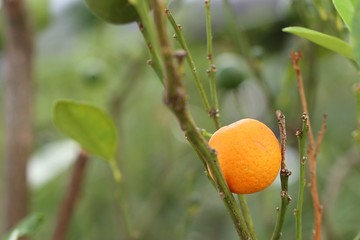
x,y
303,160
214,113
222,195
285,172
299,133
141,27
149,45
304,117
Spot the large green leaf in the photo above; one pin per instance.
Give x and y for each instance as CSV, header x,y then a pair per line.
x,y
26,227
345,8
92,128
356,34
355,2
335,44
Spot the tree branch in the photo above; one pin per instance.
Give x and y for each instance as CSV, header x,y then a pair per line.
x,y
175,99
18,111
295,57
284,178
67,206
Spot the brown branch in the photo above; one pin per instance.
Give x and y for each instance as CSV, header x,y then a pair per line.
x,y
68,204
281,122
295,58
320,135
176,100
18,134
284,177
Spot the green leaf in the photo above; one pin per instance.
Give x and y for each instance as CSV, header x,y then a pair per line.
x,y
355,2
345,8
92,128
356,34
332,43
26,227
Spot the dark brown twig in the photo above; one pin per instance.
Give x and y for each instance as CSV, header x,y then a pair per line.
x,y
295,58
68,204
281,122
284,177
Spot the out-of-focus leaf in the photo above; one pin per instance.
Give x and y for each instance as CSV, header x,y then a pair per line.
x,y
357,237
92,128
345,8
356,34
332,43
355,2
26,227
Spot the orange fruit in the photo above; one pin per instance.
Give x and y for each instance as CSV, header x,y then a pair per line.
x,y
249,155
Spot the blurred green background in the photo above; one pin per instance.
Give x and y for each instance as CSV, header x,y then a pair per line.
x,y
169,197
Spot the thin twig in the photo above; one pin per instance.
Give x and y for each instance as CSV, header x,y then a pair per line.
x,y
180,38
147,29
130,231
175,99
246,212
214,111
67,206
284,177
282,129
320,135
295,57
301,135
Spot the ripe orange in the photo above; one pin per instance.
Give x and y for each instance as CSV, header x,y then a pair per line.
x,y
249,155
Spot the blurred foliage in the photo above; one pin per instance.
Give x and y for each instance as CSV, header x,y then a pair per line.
x,y
81,58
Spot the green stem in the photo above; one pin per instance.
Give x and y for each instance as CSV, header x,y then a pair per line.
x,y
246,213
205,133
175,99
122,200
301,135
285,200
147,30
180,38
284,177
214,111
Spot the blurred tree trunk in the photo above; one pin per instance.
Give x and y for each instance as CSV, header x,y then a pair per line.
x,y
18,112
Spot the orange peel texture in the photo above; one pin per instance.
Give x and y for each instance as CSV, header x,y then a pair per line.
x,y
249,155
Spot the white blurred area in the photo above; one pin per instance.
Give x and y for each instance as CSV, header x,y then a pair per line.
x,y
58,6
50,160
